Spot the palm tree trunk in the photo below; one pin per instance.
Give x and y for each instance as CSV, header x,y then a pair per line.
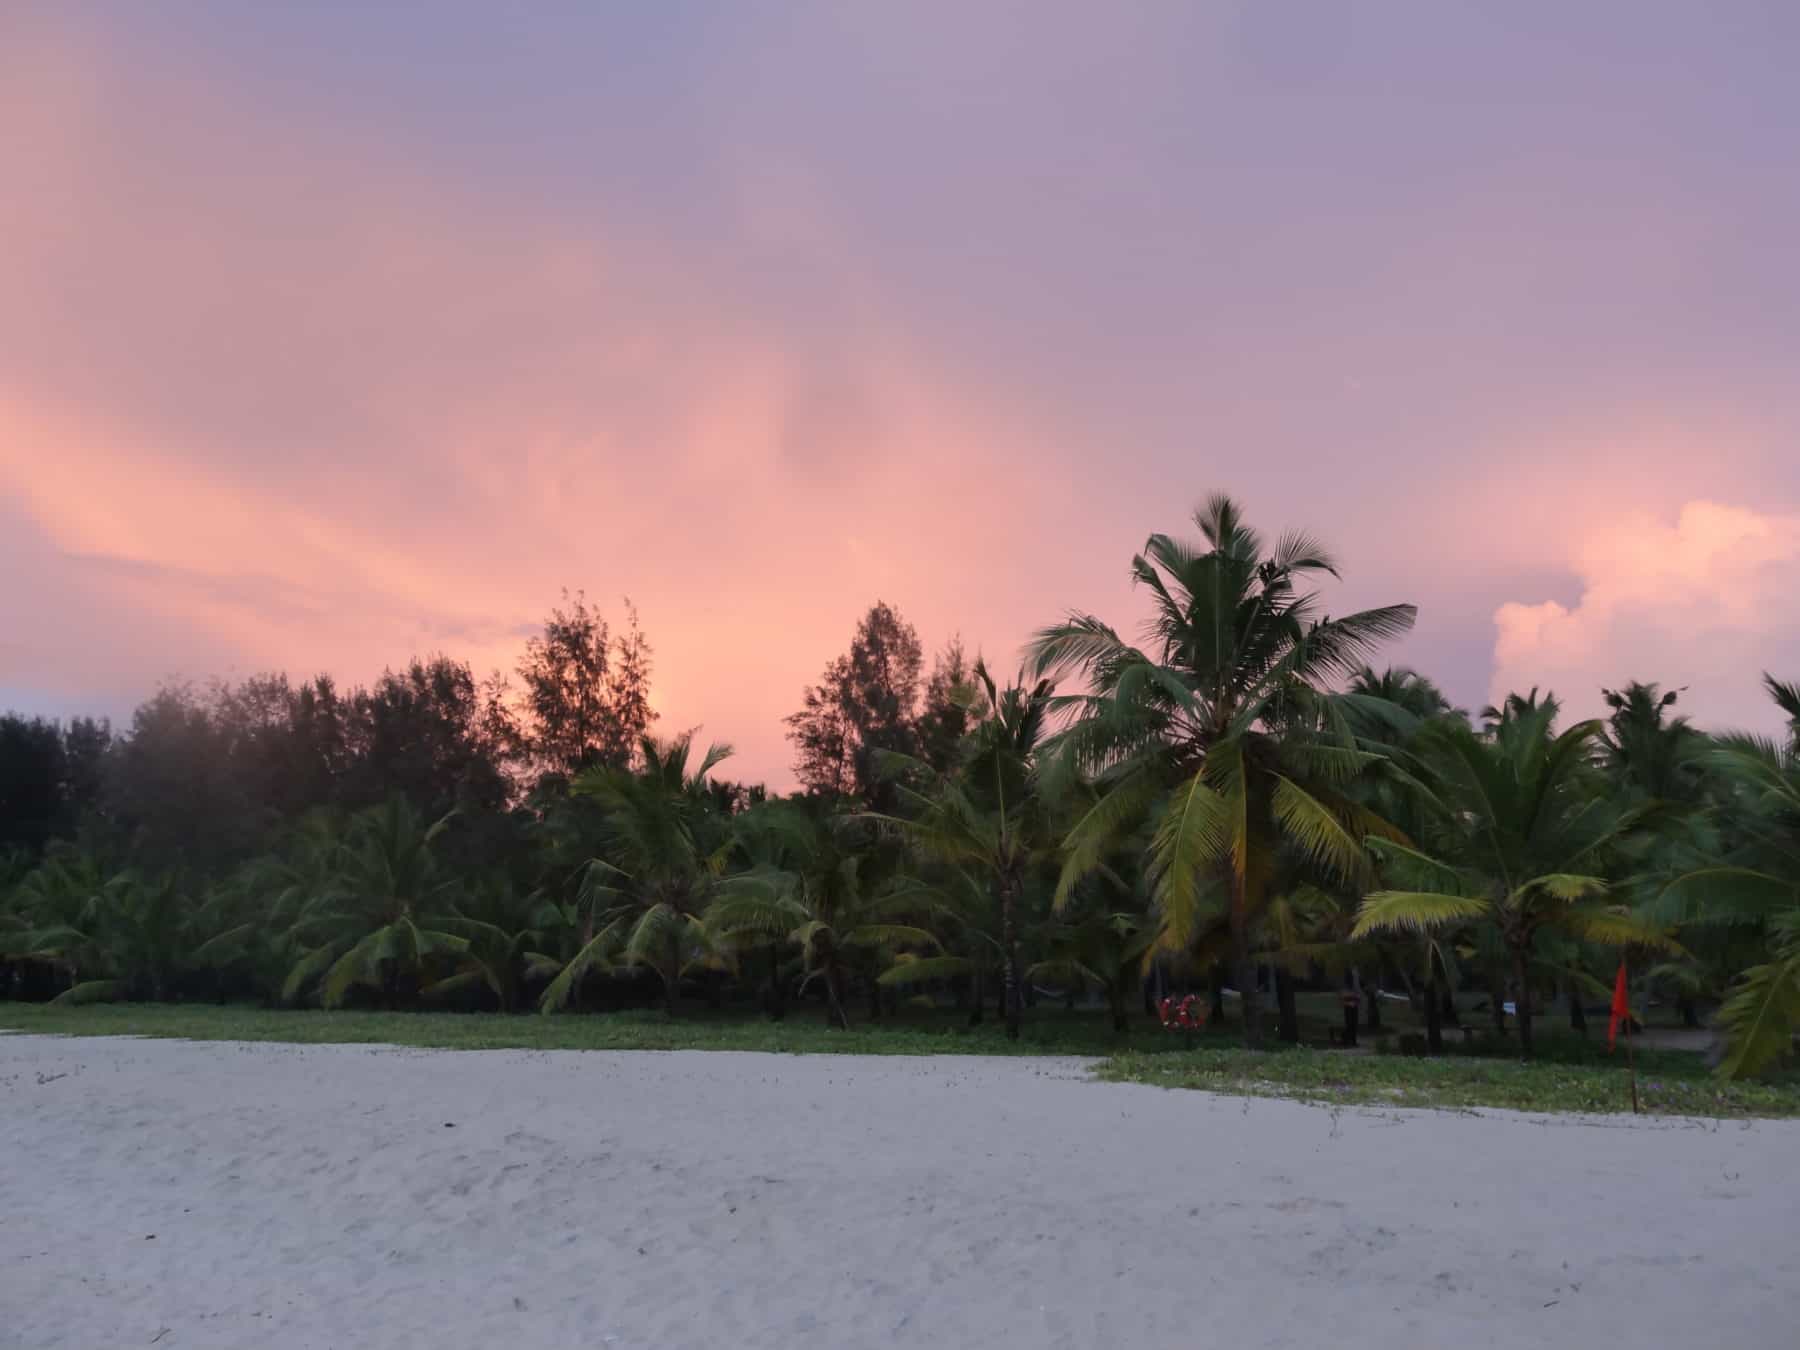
x,y
1577,1013
777,994
1009,942
1371,996
1244,969
977,998
1287,1011
832,998
1523,998
1497,1002
672,980
1434,1008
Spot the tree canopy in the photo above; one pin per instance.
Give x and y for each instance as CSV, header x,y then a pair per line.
x,y
1234,797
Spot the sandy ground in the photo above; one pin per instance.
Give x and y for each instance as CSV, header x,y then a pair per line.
x,y
224,1195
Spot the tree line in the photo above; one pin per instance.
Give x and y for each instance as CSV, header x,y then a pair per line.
x,y
1238,799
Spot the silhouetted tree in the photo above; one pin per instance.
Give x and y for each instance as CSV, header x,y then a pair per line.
x,y
34,774
948,712
586,689
170,788
87,746
824,740
430,734
866,704
1648,752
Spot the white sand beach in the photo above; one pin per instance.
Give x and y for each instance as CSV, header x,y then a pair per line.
x,y
229,1195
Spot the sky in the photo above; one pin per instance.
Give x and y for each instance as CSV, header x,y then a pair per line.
x,y
339,333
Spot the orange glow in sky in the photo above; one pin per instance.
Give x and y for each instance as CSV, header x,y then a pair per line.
x,y
317,363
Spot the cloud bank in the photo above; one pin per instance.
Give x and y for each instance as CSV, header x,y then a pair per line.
x,y
1707,601
328,339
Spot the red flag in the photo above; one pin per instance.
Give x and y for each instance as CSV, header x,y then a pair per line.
x,y
1621,1008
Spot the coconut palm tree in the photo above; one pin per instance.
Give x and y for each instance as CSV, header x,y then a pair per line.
x,y
992,816
1754,887
1786,694
1656,756
1387,712
1403,688
378,917
1103,950
1657,762
813,886
1522,846
255,908
962,912
502,926
1208,729
52,915
113,935
666,845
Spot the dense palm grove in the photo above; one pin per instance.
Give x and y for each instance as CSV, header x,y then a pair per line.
x,y
1239,802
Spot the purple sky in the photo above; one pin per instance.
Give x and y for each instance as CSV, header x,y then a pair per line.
x,y
336,333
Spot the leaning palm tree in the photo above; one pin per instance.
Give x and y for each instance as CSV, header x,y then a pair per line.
x,y
1523,845
666,846
992,816
1211,728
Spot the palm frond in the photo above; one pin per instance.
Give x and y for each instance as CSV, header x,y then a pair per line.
x,y
1414,911
890,935
1316,830
1564,886
1100,830
923,969
595,952
1194,837
1612,926
91,991
1760,1015
1725,895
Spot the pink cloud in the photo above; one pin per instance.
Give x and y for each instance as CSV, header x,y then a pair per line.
x,y
326,415
318,365
1705,601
